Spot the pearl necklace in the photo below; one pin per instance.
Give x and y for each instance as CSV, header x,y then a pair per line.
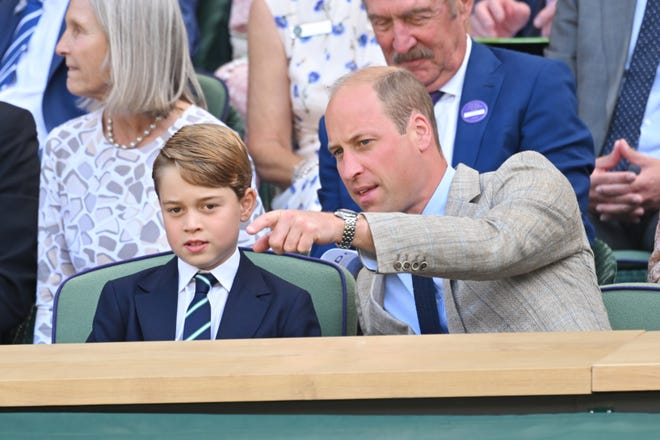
x,y
136,142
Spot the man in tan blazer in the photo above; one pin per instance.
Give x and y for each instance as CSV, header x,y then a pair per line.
x,y
506,250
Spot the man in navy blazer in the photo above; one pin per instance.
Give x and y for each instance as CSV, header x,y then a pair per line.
x,y
509,101
259,305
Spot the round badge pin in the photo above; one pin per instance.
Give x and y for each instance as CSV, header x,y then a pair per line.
x,y
474,111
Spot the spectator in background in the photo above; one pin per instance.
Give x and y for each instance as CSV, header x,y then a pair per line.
x,y
39,83
490,103
614,52
296,50
19,193
512,18
97,202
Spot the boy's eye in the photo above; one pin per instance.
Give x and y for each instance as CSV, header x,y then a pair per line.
x,y
174,210
210,206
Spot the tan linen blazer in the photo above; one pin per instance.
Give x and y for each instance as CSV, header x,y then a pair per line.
x,y
511,248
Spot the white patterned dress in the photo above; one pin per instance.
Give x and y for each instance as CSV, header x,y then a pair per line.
x,y
97,205
323,40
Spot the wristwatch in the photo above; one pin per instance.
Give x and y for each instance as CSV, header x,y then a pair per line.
x,y
350,221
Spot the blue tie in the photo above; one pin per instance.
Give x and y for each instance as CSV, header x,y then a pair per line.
x,y
197,324
22,34
425,303
637,82
435,96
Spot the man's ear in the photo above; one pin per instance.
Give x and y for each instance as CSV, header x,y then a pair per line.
x,y
421,128
248,201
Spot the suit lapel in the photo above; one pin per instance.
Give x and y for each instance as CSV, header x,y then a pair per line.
x,y
484,80
157,302
247,303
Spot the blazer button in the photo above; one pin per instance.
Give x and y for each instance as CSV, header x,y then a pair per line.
x,y
423,265
397,266
415,266
406,266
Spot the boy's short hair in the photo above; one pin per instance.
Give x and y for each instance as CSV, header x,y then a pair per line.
x,y
210,155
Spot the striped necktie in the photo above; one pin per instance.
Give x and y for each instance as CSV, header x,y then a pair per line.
x,y
197,323
22,34
630,107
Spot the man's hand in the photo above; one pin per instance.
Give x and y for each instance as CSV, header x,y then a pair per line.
x,y
295,231
543,19
498,18
624,195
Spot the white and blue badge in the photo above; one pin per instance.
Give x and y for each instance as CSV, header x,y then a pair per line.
x,y
474,111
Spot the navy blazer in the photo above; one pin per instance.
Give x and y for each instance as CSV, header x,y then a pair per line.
x,y
58,105
19,198
531,106
143,307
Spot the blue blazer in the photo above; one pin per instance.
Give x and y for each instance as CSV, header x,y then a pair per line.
x,y
58,104
531,106
143,307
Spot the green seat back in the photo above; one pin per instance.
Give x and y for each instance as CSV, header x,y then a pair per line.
x,y
633,306
331,287
604,262
217,100
632,265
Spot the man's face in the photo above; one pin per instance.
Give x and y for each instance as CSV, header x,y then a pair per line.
x,y
377,164
427,37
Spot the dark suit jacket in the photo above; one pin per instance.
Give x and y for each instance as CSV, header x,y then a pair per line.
x,y
143,307
58,104
19,199
531,106
593,37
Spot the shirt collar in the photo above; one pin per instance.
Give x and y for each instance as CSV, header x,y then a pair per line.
x,y
224,273
438,202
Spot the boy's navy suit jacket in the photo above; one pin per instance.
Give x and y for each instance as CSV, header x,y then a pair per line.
x,y
143,307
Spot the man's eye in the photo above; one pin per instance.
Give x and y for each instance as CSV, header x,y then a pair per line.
x,y
337,152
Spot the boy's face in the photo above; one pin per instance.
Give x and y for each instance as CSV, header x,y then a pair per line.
x,y
202,224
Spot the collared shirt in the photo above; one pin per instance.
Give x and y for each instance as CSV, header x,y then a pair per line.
x,y
649,138
28,90
446,109
399,298
224,273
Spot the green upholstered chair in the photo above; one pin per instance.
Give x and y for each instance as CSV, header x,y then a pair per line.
x,y
331,287
217,100
633,306
605,262
632,265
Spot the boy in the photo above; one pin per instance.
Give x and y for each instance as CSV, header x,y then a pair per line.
x,y
202,180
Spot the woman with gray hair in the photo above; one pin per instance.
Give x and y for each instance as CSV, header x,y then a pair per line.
x,y
130,63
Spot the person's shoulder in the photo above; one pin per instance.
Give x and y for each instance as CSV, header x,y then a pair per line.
x,y
12,113
522,61
151,273
197,115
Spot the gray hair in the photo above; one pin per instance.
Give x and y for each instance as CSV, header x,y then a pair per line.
x,y
148,58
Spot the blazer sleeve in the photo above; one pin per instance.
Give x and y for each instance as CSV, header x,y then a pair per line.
x,y
19,193
553,128
524,218
564,39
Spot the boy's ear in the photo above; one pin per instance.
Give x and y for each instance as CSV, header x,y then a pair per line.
x,y
248,201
